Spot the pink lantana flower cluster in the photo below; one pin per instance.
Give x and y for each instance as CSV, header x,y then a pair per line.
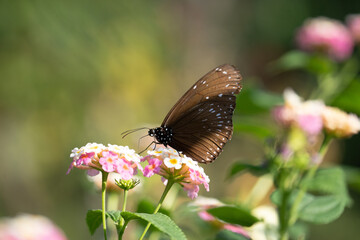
x,y
313,116
96,157
181,169
326,35
29,227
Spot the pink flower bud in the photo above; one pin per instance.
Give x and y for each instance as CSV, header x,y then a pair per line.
x,y
327,36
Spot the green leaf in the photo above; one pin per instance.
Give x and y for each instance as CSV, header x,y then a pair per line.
x,y
228,235
93,220
145,206
330,181
299,230
320,65
114,215
327,180
259,130
329,202
353,177
276,198
256,101
234,215
322,209
349,99
239,167
160,221
290,61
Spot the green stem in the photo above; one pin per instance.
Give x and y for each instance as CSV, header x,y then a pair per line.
x,y
309,176
122,225
167,188
283,215
294,211
103,194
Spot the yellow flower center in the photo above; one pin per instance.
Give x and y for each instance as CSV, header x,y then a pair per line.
x,y
173,161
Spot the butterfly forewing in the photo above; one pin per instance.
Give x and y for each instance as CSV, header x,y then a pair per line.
x,y
224,79
201,121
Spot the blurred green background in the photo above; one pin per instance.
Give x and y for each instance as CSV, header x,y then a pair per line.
x,y
73,72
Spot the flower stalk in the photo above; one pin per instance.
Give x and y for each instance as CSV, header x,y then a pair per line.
x,y
103,195
167,189
289,218
122,224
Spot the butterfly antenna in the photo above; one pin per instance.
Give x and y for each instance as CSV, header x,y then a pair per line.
x,y
132,131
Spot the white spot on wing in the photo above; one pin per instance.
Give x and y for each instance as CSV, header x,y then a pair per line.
x,y
220,95
194,87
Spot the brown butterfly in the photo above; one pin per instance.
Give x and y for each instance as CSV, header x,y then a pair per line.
x,y
200,123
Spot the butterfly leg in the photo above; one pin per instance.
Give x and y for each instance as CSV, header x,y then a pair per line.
x,y
147,147
140,140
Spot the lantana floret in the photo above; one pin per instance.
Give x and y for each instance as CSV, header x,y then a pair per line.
x,y
170,165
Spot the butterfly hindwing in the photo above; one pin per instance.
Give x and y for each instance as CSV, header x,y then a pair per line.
x,y
202,136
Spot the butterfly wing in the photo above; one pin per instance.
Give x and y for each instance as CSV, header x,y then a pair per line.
x,y
201,121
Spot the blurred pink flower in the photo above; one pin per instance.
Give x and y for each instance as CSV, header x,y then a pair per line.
x,y
311,124
236,229
353,22
169,165
204,215
29,227
313,116
325,35
304,114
